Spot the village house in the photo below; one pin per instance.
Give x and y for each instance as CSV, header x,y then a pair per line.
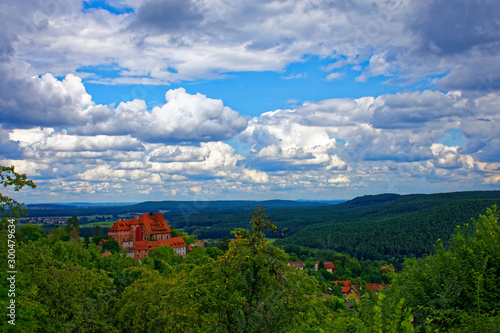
x,y
140,235
297,264
328,265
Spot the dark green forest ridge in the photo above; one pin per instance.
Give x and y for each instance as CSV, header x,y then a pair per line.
x,y
387,225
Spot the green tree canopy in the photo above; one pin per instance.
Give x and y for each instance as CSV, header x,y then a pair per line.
x,y
8,206
30,232
249,288
457,282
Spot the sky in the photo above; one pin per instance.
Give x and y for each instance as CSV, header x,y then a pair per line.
x,y
135,100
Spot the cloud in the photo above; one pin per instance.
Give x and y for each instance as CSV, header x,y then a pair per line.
x,y
478,75
48,140
339,180
168,154
46,101
167,16
480,130
256,176
219,159
458,40
279,141
171,41
360,141
184,118
449,157
334,76
409,110
316,148
446,27
52,128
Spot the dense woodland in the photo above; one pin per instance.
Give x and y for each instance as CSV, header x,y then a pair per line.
x,y
243,284
66,285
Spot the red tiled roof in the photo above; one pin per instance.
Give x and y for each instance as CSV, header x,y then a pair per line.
x,y
189,248
296,264
155,223
346,282
105,254
175,242
345,289
123,225
328,264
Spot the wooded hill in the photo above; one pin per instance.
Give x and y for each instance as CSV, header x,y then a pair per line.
x,y
387,225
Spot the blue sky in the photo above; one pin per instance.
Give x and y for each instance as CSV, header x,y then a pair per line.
x,y
132,100
296,83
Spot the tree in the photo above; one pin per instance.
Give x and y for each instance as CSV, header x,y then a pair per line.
x,y
8,206
96,232
224,243
214,252
72,228
156,309
58,234
164,257
111,245
250,288
86,239
30,232
74,298
460,283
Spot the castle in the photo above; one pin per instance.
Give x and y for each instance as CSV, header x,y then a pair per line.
x,y
140,235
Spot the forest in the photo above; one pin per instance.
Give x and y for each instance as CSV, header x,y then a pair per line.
x,y
58,282
64,284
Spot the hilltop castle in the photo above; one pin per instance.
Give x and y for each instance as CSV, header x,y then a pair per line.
x,y
140,235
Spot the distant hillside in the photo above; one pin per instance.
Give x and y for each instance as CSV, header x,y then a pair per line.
x,y
56,210
387,225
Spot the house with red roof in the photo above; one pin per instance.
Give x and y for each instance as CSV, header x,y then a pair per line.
x,y
328,265
140,235
297,264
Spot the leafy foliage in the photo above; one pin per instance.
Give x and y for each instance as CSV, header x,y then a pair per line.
x,y
8,206
245,285
30,232
458,281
